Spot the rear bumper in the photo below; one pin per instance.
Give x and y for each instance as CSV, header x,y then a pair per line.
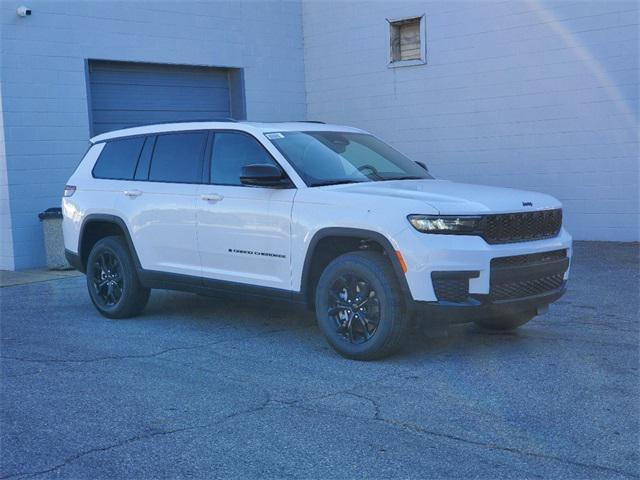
x,y
74,260
478,307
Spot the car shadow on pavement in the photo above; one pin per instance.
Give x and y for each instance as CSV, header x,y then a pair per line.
x,y
296,321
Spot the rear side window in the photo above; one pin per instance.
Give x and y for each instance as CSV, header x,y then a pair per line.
x,y
232,151
118,159
177,158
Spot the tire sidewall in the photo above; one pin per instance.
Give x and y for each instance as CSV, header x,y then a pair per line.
x,y
370,272
113,246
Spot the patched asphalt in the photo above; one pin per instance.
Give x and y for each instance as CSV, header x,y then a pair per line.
x,y
202,387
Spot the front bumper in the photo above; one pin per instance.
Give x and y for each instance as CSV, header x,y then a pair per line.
x,y
425,254
478,307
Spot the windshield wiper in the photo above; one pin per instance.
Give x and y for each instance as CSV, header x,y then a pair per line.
x,y
337,182
408,177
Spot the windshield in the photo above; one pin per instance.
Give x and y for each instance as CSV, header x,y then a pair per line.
x,y
329,158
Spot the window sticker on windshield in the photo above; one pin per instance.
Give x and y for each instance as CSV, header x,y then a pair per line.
x,y
274,136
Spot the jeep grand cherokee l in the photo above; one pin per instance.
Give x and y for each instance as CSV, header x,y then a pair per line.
x,y
322,214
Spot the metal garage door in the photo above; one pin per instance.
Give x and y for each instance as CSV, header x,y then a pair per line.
x,y
124,94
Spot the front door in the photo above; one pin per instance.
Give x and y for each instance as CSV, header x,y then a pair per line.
x,y
243,231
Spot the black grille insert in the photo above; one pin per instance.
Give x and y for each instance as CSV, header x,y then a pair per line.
x,y
519,260
521,227
451,289
526,288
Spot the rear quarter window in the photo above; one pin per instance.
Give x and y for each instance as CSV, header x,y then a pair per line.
x,y
118,159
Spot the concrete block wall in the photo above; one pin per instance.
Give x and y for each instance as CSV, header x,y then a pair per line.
x,y
46,120
6,236
539,95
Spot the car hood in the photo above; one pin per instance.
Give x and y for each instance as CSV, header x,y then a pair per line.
x,y
455,198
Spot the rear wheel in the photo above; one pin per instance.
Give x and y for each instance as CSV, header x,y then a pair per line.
x,y
359,306
113,285
505,323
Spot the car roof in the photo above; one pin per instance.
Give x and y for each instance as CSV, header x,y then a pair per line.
x,y
250,127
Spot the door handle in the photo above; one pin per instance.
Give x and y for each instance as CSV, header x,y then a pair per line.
x,y
132,193
212,197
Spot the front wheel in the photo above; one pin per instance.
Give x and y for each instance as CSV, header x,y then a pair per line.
x,y
112,281
506,322
359,306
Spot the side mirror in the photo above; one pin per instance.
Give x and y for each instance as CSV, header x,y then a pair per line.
x,y
262,175
423,165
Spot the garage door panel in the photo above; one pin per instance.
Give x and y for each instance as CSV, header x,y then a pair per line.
x,y
110,90
159,99
167,103
122,120
140,116
217,78
126,94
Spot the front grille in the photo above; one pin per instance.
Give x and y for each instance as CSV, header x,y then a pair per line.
x,y
451,289
526,288
521,227
519,260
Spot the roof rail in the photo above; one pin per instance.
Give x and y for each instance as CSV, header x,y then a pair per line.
x,y
309,121
196,120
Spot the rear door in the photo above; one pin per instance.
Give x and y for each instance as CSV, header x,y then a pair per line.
x,y
244,232
160,202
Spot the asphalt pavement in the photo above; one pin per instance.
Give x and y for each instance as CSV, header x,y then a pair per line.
x,y
201,387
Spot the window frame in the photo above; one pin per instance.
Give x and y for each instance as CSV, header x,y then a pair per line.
x,y
146,156
393,24
209,155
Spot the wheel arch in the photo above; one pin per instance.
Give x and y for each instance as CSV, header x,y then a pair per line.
x,y
90,233
361,237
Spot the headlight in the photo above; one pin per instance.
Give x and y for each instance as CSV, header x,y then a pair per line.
x,y
444,224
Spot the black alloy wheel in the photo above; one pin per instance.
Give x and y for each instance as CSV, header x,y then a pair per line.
x,y
108,282
112,281
360,306
355,308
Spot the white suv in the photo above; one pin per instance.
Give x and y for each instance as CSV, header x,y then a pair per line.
x,y
321,214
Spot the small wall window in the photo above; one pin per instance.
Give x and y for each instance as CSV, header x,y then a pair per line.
x,y
407,41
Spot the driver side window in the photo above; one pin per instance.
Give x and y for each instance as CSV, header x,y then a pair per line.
x,y
232,151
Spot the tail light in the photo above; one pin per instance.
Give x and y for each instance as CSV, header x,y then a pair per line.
x,y
69,190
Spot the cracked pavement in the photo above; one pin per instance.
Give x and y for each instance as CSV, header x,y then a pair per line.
x,y
203,387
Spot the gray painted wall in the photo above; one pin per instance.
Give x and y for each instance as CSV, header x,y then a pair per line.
x,y
6,237
540,95
531,94
46,119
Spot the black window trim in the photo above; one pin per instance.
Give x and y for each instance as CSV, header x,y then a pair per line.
x,y
155,136
206,154
149,138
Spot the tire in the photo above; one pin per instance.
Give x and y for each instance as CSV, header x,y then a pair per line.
x,y
112,281
382,310
505,323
